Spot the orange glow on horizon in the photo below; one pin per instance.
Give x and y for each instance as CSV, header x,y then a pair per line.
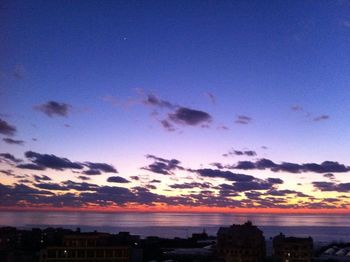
x,y
182,209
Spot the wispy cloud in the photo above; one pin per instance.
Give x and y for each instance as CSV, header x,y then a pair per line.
x,y
53,108
6,128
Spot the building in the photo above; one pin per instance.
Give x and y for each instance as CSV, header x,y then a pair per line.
x,y
293,249
243,243
86,247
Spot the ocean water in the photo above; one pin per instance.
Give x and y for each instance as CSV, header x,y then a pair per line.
x,y
322,227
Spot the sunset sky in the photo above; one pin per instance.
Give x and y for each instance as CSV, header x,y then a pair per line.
x,y
175,105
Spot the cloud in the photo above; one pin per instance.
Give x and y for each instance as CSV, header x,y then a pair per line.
x,y
43,161
16,194
80,186
68,185
135,178
51,186
162,166
187,116
178,115
215,173
30,166
53,108
6,128
155,181
52,161
190,185
254,184
167,125
324,167
10,157
13,141
285,192
84,178
151,187
275,180
217,165
244,120
211,97
102,167
152,100
321,118
117,179
240,153
331,186
330,176
41,178
296,108
92,172
223,127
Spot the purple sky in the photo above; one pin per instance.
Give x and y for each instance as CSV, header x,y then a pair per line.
x,y
236,104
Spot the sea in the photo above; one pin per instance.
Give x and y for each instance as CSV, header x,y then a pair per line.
x,y
323,228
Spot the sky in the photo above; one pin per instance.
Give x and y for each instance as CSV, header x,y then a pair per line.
x,y
210,106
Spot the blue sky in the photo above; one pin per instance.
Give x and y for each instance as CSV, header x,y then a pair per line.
x,y
281,66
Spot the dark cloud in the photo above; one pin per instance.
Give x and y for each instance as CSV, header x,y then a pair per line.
x,y
330,176
53,108
331,186
217,165
6,128
240,153
10,157
215,173
68,185
7,172
190,185
51,186
162,166
30,166
324,167
84,178
275,180
80,186
155,181
117,179
41,178
285,192
321,118
167,125
102,167
187,116
44,161
13,141
92,172
155,101
85,194
51,161
18,193
242,186
179,116
245,165
241,119
106,195
135,178
151,187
